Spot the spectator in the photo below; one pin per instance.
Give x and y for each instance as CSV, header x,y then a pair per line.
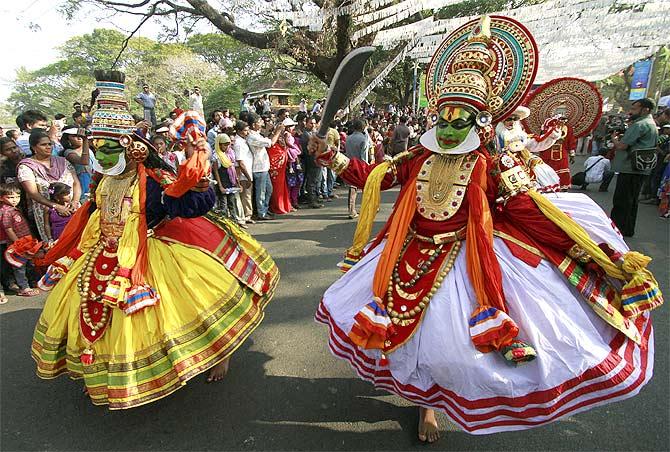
x,y
79,119
54,223
245,162
641,135
312,170
244,103
598,171
328,175
39,171
261,165
267,105
14,227
295,174
400,137
160,142
147,100
195,101
316,108
77,153
356,147
226,179
13,134
303,105
11,156
33,119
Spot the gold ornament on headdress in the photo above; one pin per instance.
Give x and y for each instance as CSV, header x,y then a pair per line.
x,y
469,80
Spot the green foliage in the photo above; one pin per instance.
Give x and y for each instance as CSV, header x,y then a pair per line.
x,y
221,66
617,87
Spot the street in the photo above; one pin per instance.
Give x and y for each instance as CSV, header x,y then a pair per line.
x,y
285,391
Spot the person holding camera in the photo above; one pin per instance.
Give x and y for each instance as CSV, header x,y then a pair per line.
x,y
634,158
75,145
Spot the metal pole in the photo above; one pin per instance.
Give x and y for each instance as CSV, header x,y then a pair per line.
x,y
414,94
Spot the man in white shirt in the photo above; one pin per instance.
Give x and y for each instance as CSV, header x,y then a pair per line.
x,y
195,101
244,161
261,164
316,109
598,171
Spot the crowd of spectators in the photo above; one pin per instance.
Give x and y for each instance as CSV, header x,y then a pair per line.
x,y
260,165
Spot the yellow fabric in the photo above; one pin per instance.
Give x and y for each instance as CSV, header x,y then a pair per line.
x,y
369,207
333,138
634,262
221,152
183,277
91,233
128,243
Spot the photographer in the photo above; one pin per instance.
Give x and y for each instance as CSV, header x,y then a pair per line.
x,y
631,152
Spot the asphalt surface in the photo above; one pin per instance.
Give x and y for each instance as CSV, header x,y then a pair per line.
x,y
285,391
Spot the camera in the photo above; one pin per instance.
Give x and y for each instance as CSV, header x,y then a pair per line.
x,y
83,132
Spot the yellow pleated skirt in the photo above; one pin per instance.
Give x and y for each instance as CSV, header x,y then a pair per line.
x,y
205,313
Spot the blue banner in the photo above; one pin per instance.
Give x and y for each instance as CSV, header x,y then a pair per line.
x,y
638,86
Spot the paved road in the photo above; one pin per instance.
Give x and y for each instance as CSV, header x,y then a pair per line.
x,y
286,392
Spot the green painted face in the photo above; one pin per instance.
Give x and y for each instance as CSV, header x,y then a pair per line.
x,y
453,126
107,152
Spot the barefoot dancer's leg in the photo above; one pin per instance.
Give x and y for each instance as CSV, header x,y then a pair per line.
x,y
428,428
219,371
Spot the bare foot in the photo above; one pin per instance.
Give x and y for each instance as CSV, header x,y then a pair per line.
x,y
219,371
428,428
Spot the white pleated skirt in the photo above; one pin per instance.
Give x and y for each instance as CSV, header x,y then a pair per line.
x,y
581,361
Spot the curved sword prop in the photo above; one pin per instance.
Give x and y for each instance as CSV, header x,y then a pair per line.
x,y
348,73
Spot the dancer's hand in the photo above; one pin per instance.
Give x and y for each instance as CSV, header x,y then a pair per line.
x,y
316,146
199,145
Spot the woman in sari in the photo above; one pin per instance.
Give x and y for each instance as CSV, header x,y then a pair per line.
x,y
37,172
280,201
294,172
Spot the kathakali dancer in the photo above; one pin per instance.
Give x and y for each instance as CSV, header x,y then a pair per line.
x,y
511,137
476,273
572,105
147,291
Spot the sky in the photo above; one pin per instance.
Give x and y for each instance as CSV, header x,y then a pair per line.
x,y
37,47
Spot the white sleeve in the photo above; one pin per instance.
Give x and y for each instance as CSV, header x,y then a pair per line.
x,y
534,146
259,141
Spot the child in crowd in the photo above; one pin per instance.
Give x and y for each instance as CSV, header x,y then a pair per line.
x,y
223,168
54,223
160,142
15,227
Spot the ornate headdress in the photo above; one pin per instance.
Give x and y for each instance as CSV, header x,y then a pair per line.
x,y
487,64
575,99
111,118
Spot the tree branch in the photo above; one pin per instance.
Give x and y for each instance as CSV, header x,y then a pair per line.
x,y
222,22
127,40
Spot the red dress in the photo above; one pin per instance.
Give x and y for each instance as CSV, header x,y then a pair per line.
x,y
280,202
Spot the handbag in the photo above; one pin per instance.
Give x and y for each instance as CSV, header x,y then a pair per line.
x,y
580,177
643,159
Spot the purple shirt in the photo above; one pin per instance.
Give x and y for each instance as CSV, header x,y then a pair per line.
x,y
57,223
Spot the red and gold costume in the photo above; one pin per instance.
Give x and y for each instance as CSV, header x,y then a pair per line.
x,y
476,274
559,154
579,105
